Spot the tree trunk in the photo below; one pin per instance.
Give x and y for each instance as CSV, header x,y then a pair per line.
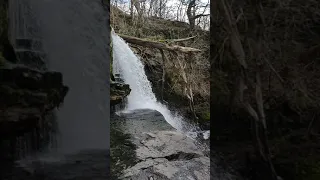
x,y
190,13
137,5
158,45
131,8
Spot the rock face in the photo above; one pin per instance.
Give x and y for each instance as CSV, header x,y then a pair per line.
x,y
165,155
26,96
118,91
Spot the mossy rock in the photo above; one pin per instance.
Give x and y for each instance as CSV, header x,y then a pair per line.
x,y
205,116
296,163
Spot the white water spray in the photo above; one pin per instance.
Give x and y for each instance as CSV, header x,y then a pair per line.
x,y
131,69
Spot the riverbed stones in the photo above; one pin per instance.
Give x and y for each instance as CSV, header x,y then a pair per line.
x,y
168,155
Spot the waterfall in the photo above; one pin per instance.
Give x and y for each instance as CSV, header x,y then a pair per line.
x,y
26,39
77,38
74,36
131,69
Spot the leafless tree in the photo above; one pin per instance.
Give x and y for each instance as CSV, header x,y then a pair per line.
x,y
180,10
193,6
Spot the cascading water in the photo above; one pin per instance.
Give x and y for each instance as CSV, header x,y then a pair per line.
x,y
75,34
143,113
25,37
131,69
75,39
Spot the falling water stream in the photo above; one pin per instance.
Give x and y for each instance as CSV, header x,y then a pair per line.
x,y
131,69
143,112
74,36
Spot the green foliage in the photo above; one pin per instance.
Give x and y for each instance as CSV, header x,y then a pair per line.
x,y
308,169
206,116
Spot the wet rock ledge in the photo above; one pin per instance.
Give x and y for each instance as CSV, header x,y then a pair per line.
x,y
118,91
165,155
26,96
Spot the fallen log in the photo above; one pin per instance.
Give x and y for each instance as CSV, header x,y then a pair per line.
x,y
170,41
159,45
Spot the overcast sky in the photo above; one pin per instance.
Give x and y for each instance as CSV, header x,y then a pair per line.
x,y
125,5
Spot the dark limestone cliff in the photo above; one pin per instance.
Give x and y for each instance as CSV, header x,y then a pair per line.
x,y
28,98
25,98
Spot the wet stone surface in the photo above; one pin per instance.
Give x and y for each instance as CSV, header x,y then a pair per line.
x,y
85,165
157,150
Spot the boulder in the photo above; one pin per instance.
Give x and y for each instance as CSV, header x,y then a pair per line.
x,y
118,91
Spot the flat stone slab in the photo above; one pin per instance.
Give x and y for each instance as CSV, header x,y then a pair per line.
x,y
166,155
